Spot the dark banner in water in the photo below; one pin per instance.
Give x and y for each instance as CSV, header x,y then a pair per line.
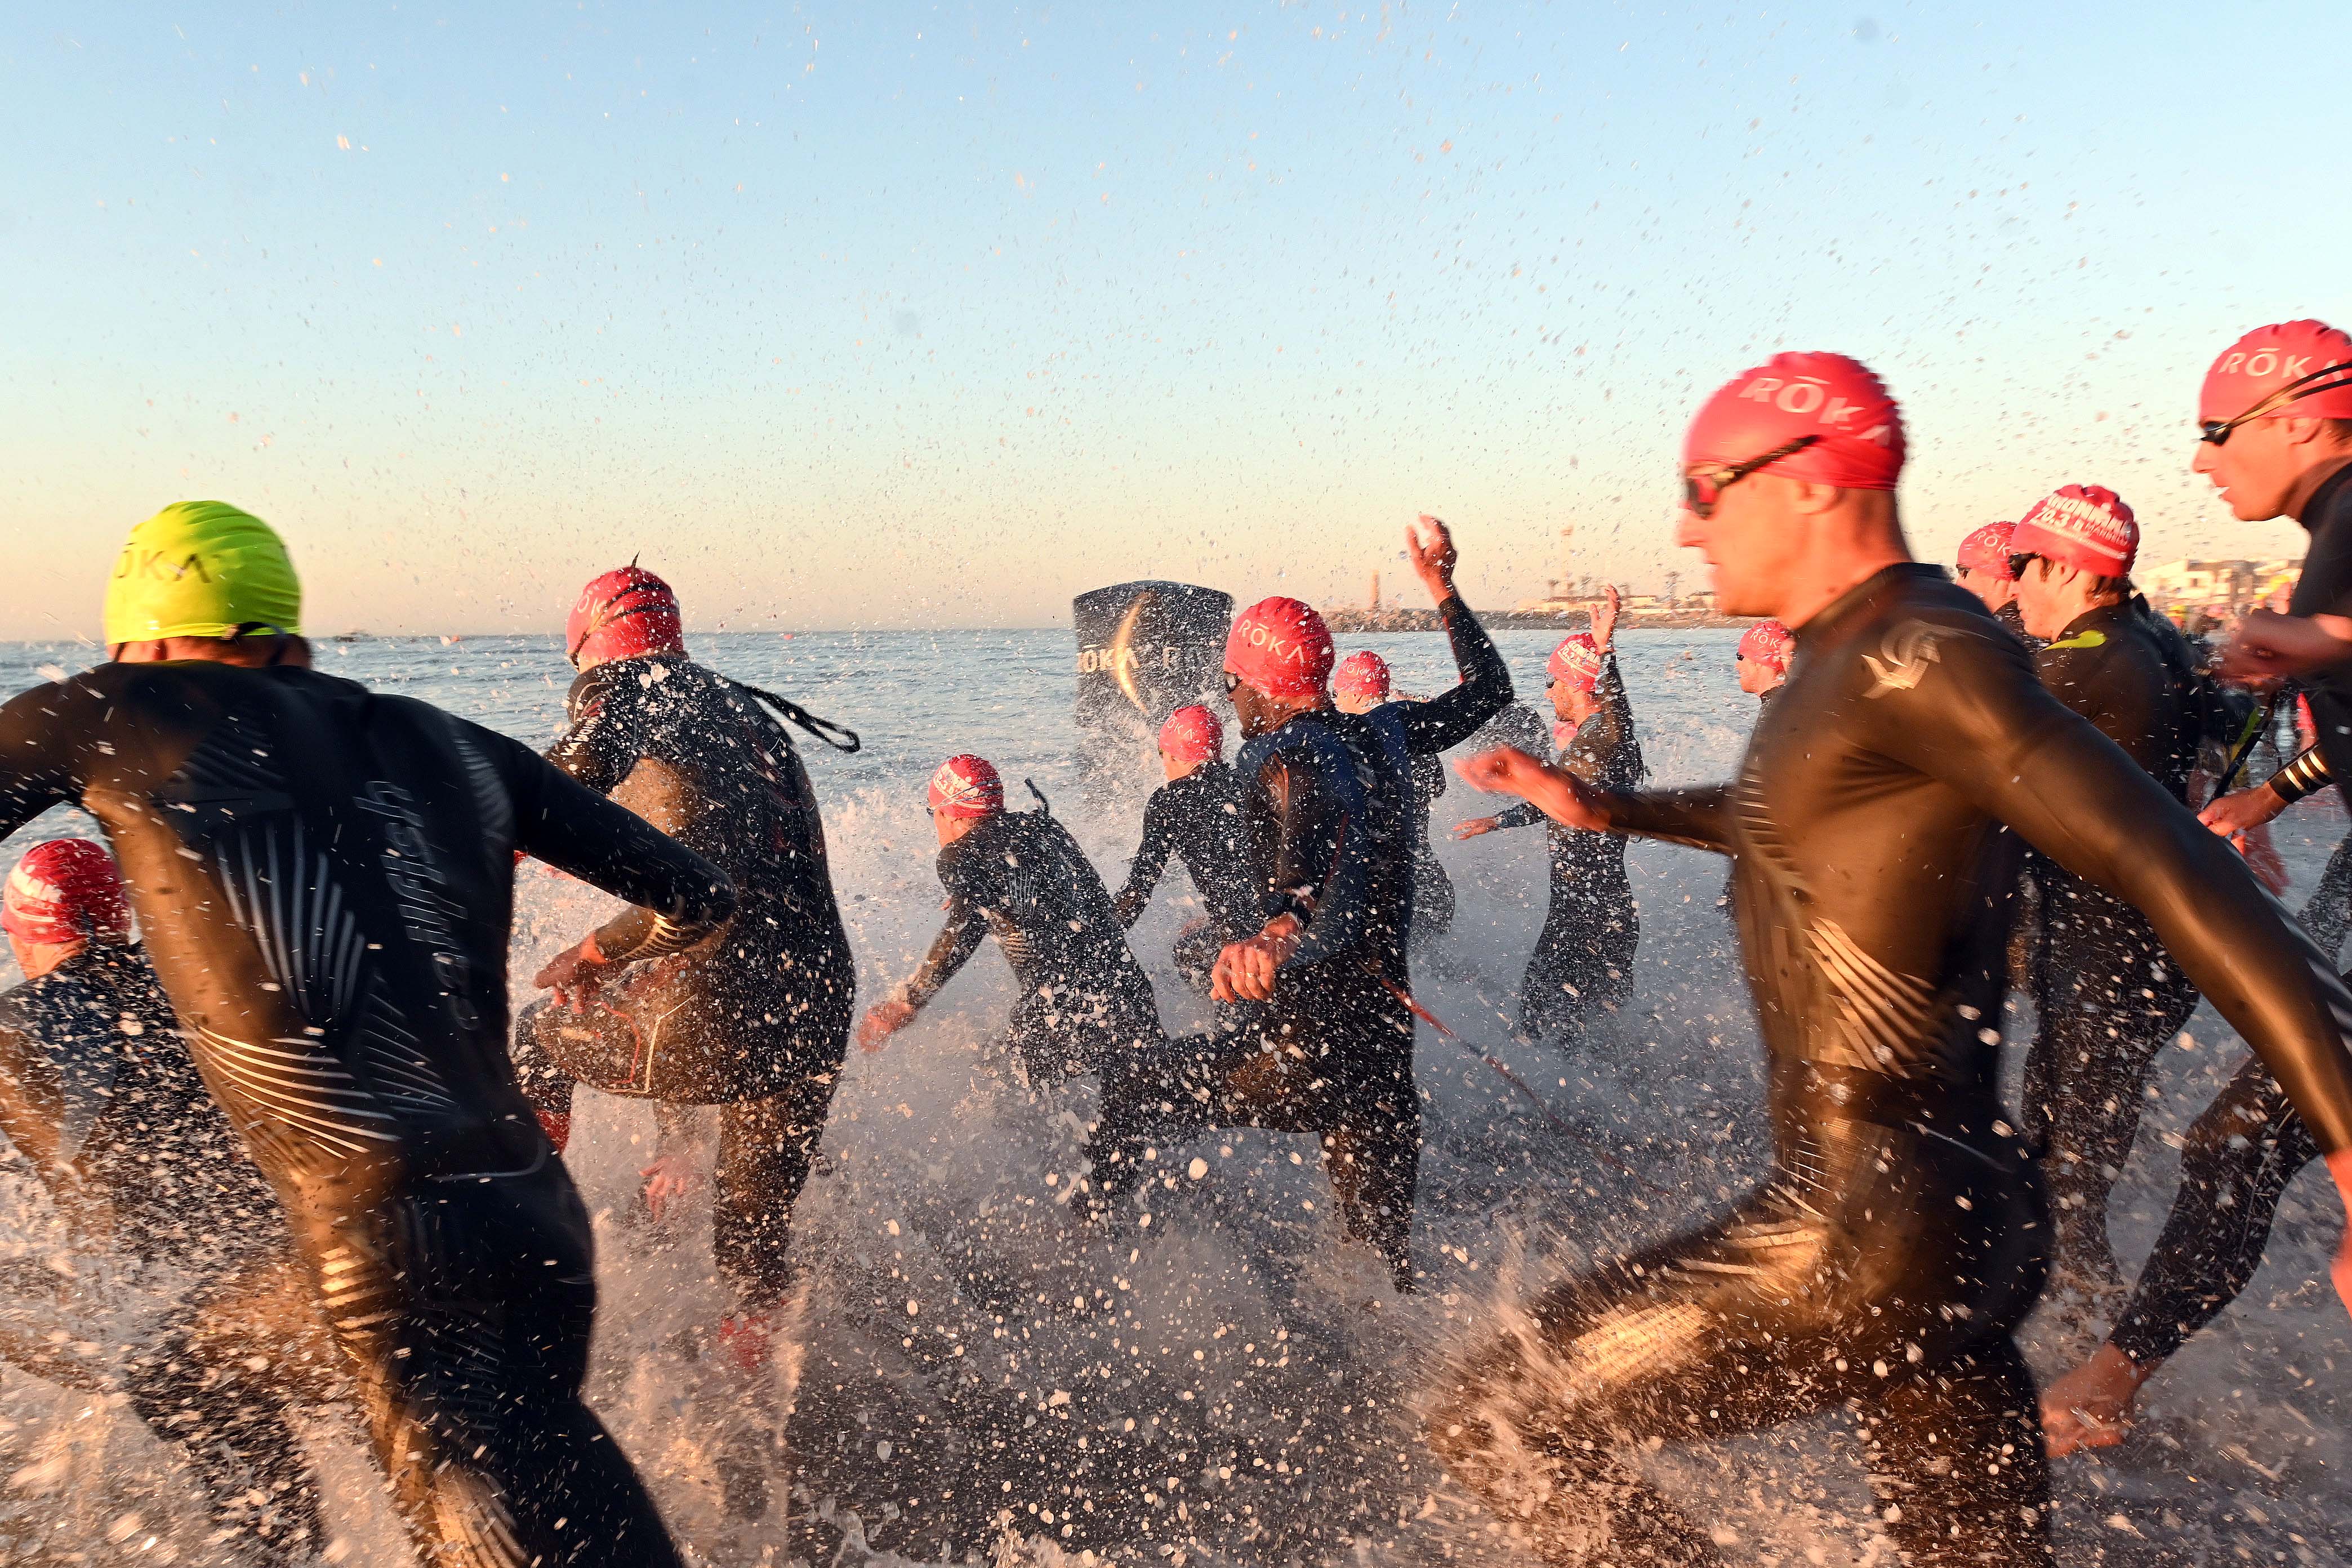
x,y
1144,650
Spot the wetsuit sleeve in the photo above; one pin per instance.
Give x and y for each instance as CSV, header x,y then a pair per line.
x,y
680,898
1313,876
31,1106
2307,773
957,942
1700,818
1452,716
1143,872
1614,733
37,762
598,748
1977,722
1520,815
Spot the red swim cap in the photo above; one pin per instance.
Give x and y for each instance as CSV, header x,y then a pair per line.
x,y
1576,661
621,615
64,890
2270,358
1281,648
1363,674
1790,396
1987,549
1192,734
1769,642
2082,525
967,785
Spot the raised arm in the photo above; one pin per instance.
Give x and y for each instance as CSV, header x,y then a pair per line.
x,y
1452,716
1700,818
37,742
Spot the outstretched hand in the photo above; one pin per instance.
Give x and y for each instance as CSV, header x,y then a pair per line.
x,y
882,1021
573,974
1556,793
2241,809
1476,826
1430,547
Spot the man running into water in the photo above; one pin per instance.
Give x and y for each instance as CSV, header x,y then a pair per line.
x,y
2276,417
2106,996
1982,567
1897,1239
1360,684
1084,1001
1583,960
1328,799
1761,662
325,880
100,1095
754,1019
1196,816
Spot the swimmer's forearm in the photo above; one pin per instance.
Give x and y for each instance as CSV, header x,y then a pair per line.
x,y
1700,818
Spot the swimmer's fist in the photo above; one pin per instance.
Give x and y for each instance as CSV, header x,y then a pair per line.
x,y
1246,970
1556,793
1430,548
2241,809
884,1020
2269,646
574,973
2091,1406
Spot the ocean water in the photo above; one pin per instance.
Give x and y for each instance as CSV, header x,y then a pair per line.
x,y
973,1376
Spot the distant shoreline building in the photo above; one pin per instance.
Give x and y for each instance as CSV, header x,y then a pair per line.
x,y
2218,590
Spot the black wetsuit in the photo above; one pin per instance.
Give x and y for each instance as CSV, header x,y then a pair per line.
x,y
2244,1148
1584,959
1084,1001
1198,819
324,878
1329,800
99,1093
756,1018
1898,1239
1433,889
2107,997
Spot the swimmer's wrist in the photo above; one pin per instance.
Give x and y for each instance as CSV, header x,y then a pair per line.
x,y
592,954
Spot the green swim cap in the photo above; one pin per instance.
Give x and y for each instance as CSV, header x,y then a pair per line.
x,y
201,569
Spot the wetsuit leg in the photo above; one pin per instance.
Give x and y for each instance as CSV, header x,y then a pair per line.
x,y
1583,962
2239,1156
2106,1000
765,1148
1957,1461
217,1380
466,1306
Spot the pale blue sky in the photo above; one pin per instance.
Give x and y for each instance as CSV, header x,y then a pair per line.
x,y
900,315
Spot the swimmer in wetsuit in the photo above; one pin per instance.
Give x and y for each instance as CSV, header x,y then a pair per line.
x,y
755,1019
2276,412
1982,567
1085,1003
1583,961
1761,661
1195,816
1359,684
100,1095
1875,821
1328,800
325,879
2106,996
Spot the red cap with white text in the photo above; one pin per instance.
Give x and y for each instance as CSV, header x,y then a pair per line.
x,y
2084,526
64,890
967,785
1769,642
1361,675
1281,648
1576,662
1792,396
2268,360
1192,734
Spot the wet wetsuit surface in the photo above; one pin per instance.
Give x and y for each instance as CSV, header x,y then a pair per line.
x,y
1083,999
2245,1148
324,878
1896,1242
1331,802
1197,819
2106,996
1583,960
98,1092
755,1018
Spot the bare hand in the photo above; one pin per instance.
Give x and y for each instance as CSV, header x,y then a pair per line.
x,y
2268,646
1604,617
1556,793
1246,970
671,1178
2091,1406
2262,859
2241,809
884,1020
573,974
1476,826
1430,548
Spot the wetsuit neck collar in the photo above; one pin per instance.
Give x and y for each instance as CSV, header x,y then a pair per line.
x,y
2098,617
1861,598
2321,506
